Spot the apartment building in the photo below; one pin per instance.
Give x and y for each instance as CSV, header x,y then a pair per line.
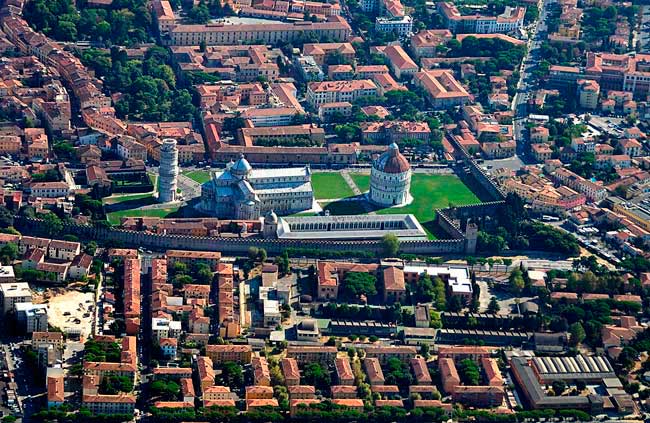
x,y
281,135
261,372
401,64
374,372
340,72
128,148
588,92
510,20
222,353
403,353
104,123
10,144
592,190
259,392
211,258
539,134
308,354
63,250
163,14
321,51
402,25
426,42
290,371
14,293
338,91
122,403
442,90
336,29
344,373
49,189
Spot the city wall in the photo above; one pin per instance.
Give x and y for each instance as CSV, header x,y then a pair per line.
x,y
234,246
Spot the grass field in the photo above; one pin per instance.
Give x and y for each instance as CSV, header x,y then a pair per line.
x,y
116,199
330,185
361,180
432,192
200,176
114,217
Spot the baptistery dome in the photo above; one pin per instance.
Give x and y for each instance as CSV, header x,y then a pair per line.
x,y
390,179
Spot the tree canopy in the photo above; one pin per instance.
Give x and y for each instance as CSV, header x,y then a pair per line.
x,y
356,284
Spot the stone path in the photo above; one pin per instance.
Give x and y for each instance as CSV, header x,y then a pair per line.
x,y
356,191
350,182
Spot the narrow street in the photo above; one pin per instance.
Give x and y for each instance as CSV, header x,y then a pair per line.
x,y
526,80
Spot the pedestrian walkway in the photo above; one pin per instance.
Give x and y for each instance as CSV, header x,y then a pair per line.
x,y
358,195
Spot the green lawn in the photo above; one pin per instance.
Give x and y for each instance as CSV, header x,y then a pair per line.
x,y
361,180
330,185
200,176
432,192
120,198
114,217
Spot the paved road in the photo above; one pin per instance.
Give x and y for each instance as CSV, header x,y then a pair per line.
x,y
526,81
644,30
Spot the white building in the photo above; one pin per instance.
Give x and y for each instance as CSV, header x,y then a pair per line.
x,y
50,189
390,179
167,180
402,26
13,293
31,317
307,331
241,192
165,328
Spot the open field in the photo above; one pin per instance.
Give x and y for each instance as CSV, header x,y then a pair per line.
x,y
114,217
330,185
120,198
432,192
429,192
64,310
361,180
200,176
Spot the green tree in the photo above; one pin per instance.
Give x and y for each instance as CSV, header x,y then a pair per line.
x,y
390,245
52,224
314,374
262,255
516,281
203,274
356,284
6,217
165,388
232,374
91,248
469,372
8,253
493,306
577,333
559,387
199,14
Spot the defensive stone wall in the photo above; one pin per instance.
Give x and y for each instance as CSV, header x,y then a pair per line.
x,y
235,246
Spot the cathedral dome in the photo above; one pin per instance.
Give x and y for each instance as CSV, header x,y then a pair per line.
x,y
241,166
392,161
271,217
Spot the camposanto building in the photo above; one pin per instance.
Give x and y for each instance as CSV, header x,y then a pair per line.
x,y
243,193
